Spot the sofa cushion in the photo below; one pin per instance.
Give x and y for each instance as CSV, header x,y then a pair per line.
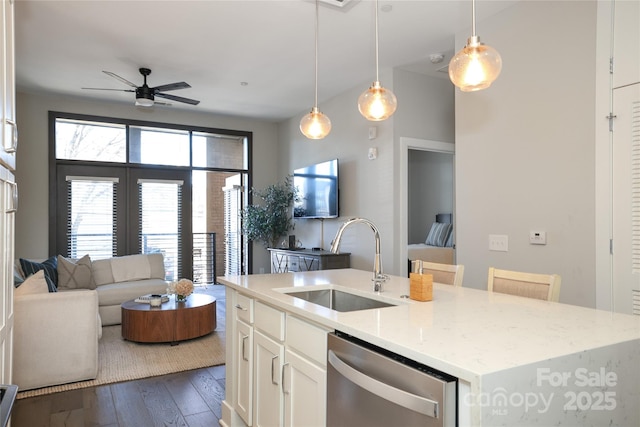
x,y
101,270
49,266
34,284
75,274
156,262
130,267
117,293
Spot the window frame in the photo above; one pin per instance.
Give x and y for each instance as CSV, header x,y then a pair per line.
x,y
57,218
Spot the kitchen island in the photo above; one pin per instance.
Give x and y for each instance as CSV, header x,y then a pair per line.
x,y
518,361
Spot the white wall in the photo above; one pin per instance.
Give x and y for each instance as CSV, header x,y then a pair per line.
x,y
368,188
32,220
525,148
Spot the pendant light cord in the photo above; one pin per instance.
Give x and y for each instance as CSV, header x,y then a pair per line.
x,y
316,71
473,18
377,76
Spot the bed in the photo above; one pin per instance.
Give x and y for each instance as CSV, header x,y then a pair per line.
x,y
438,246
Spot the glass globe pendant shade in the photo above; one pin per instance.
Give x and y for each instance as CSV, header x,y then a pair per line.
x,y
377,103
475,67
315,125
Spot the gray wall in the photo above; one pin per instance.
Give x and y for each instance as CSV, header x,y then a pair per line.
x,y
369,188
525,149
32,224
430,190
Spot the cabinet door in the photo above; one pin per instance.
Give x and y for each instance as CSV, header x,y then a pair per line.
x,y
7,216
308,263
268,356
279,262
8,125
244,371
305,392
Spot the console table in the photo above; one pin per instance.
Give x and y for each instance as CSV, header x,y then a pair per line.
x,y
286,260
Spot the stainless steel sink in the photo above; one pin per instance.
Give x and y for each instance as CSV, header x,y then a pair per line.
x,y
339,300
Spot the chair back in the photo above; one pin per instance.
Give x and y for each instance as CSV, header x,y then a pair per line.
x,y
442,273
531,285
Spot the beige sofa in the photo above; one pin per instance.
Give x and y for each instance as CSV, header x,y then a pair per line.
x,y
120,279
56,334
55,337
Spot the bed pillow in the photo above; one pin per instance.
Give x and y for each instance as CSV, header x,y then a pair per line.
x,y
449,242
438,234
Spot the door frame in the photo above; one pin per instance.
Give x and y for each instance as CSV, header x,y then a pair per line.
x,y
406,144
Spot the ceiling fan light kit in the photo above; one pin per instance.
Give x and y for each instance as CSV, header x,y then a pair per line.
x,y
477,65
145,95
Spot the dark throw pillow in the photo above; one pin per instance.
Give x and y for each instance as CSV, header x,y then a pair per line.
x,y
50,267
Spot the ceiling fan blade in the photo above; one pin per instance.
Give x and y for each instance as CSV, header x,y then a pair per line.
x,y
178,98
101,88
161,103
171,86
122,79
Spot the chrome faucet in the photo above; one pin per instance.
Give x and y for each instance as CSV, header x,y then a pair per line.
x,y
378,277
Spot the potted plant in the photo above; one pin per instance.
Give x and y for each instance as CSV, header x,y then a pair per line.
x,y
272,218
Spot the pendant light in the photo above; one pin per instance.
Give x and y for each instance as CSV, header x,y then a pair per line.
x,y
315,125
377,103
477,65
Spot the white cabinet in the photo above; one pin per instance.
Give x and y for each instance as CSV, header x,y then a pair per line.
x,y
243,363
7,87
268,353
244,371
279,367
305,375
8,189
305,392
268,356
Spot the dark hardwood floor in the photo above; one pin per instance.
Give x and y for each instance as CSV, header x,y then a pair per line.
x,y
191,398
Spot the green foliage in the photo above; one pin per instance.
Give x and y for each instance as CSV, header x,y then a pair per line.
x,y
272,218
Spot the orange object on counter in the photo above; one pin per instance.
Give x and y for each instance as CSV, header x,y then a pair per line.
x,y
421,287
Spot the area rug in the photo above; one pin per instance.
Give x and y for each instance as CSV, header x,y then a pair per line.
x,y
120,360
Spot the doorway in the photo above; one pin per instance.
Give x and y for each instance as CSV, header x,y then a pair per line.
x,y
407,145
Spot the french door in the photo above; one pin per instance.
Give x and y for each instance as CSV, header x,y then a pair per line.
x,y
114,211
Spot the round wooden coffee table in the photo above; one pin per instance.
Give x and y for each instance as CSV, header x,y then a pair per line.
x,y
171,322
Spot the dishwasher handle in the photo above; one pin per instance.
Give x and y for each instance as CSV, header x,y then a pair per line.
x,y
400,397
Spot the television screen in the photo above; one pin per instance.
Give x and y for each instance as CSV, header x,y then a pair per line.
x,y
317,190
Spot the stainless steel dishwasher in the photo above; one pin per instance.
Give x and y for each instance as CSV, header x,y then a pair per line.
x,y
370,386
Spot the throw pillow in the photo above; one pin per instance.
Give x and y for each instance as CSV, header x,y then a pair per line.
x,y
438,234
50,267
75,274
17,277
34,284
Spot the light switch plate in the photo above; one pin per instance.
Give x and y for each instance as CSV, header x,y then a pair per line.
x,y
373,153
499,242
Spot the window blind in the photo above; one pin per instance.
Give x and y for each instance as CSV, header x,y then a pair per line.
x,y
160,216
91,224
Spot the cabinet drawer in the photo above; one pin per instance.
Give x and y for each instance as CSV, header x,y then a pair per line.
x,y
244,308
269,320
307,339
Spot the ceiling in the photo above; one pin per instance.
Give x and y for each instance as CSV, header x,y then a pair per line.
x,y
242,58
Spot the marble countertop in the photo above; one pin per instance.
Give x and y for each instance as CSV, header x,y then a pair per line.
x,y
464,332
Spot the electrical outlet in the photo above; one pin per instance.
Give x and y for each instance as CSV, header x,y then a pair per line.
x,y
538,237
499,242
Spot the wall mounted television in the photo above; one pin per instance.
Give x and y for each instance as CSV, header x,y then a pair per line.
x,y
317,190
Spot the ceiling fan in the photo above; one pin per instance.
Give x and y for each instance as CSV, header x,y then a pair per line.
x,y
145,95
